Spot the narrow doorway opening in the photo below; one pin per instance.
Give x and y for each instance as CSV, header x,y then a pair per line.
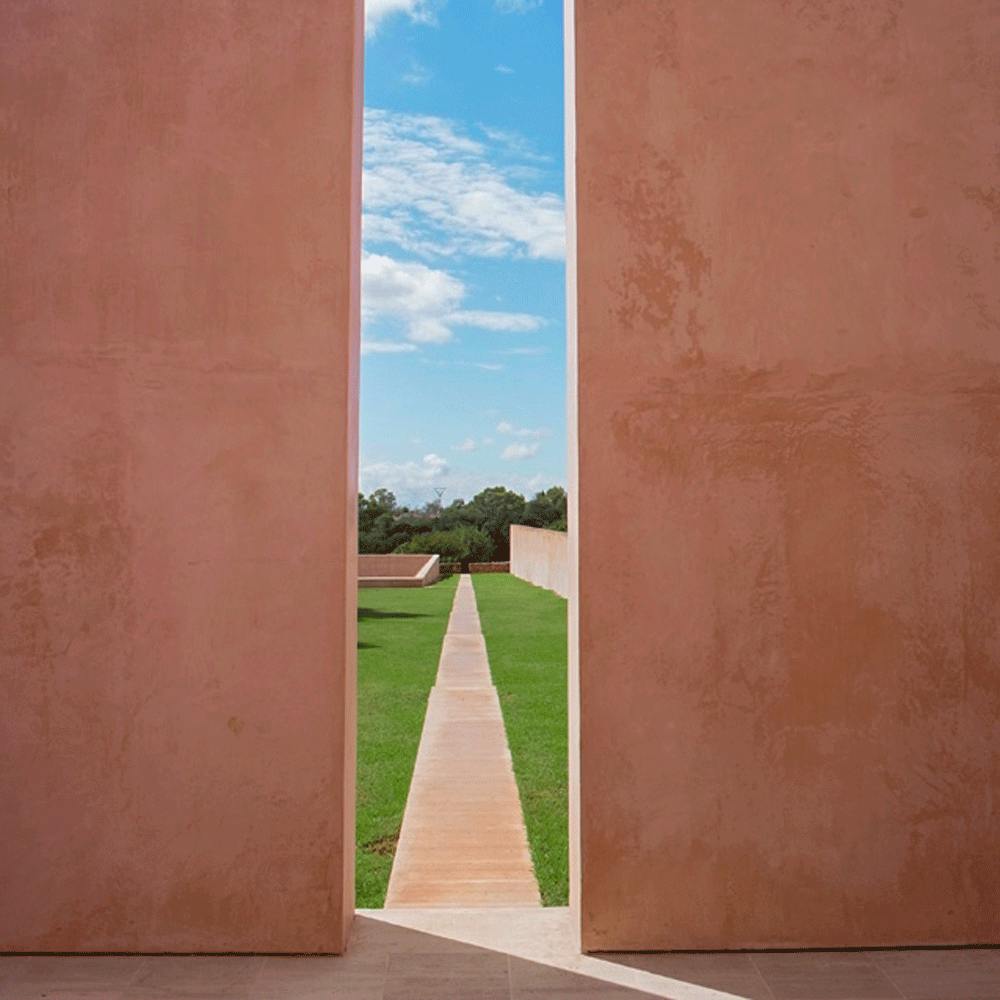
x,y
462,786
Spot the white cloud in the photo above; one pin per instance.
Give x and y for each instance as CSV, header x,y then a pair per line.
x,y
516,6
429,330
432,190
467,445
489,366
513,144
417,75
503,68
519,450
417,295
385,229
386,347
425,302
501,321
528,352
506,427
377,11
404,476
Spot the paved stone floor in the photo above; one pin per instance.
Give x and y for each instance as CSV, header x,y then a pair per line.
x,y
499,954
463,840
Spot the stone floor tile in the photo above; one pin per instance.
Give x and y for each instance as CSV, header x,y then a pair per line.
x,y
536,978
195,976
588,990
403,987
726,972
472,962
12,966
823,976
343,988
87,975
476,975
525,953
943,973
320,977
48,993
187,993
372,936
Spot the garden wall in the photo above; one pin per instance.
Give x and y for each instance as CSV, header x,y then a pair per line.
x,y
178,386
541,557
398,570
789,472
489,567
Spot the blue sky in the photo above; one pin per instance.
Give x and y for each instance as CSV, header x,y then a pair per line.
x,y
463,311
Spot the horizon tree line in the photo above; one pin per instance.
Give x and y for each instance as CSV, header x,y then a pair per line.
x,y
477,530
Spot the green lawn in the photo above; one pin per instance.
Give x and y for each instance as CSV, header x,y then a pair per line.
x,y
525,630
400,632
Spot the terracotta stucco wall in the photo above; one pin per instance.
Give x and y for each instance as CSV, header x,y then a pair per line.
x,y
177,412
789,472
541,557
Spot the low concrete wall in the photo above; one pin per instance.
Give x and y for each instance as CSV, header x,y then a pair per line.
x,y
489,567
398,570
541,557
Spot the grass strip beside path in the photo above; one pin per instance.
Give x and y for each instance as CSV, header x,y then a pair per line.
x,y
400,632
525,630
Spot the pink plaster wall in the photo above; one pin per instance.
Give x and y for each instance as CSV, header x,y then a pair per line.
x,y
178,372
541,557
789,472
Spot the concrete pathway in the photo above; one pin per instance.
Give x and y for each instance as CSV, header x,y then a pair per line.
x,y
463,840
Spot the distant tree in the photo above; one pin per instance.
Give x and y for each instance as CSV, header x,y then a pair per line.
x,y
379,530
386,526
547,509
370,508
455,515
464,545
494,510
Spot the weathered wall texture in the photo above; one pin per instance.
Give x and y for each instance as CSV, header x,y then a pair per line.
x,y
177,411
540,556
789,472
